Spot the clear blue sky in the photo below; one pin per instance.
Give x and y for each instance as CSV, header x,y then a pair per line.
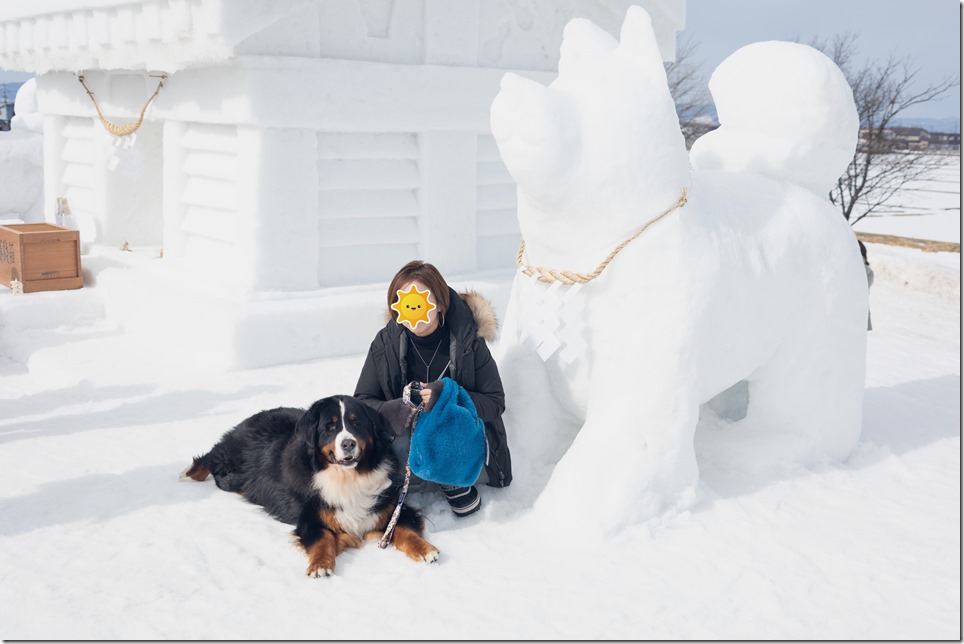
x,y
12,77
927,30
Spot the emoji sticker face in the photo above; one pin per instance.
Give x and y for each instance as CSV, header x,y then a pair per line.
x,y
413,306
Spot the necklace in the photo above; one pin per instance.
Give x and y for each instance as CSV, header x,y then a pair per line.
x,y
419,354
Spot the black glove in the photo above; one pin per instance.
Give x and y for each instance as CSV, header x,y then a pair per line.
x,y
395,413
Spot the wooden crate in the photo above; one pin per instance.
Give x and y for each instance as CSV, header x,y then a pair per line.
x,y
44,257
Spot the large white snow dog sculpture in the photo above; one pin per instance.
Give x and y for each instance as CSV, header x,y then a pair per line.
x,y
757,278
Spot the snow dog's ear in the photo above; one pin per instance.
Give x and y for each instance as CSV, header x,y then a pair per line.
x,y
638,41
582,41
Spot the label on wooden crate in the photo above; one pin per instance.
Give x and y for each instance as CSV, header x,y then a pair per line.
x,y
8,252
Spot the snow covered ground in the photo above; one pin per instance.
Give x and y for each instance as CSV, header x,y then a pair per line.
x,y
927,208
98,538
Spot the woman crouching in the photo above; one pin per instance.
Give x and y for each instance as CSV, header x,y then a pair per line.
x,y
434,332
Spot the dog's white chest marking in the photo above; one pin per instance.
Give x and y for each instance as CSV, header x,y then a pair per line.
x,y
352,494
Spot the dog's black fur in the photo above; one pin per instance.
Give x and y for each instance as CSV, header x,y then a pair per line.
x,y
287,461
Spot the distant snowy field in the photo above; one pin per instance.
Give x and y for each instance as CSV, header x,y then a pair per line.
x,y
98,538
927,208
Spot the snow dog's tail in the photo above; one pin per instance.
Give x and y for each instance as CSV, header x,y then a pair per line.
x,y
786,111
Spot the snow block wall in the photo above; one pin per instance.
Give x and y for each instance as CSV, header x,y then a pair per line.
x,y
294,145
743,276
497,229
298,151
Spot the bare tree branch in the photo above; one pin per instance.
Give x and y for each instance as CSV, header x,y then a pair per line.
x,y
688,89
882,91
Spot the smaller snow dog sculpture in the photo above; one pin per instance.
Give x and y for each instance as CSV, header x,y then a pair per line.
x,y
329,471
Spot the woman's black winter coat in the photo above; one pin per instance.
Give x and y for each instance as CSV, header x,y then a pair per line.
x,y
471,321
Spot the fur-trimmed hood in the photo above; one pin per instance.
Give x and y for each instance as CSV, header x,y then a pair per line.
x,y
486,322
483,313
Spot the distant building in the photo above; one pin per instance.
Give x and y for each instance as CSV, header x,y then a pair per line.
x,y
917,139
910,138
945,141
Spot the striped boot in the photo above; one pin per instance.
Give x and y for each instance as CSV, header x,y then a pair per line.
x,y
463,500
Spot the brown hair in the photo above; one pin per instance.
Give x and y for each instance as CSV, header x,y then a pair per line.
x,y
424,273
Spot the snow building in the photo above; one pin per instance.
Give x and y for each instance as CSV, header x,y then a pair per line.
x,y
293,146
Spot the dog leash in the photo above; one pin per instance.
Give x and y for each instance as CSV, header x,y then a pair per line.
x,y
410,389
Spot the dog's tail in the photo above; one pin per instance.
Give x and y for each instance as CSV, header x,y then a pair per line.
x,y
198,470
786,111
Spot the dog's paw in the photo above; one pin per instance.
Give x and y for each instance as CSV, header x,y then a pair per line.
x,y
414,546
319,571
421,552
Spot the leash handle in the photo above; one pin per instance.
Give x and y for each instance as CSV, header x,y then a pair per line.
x,y
411,397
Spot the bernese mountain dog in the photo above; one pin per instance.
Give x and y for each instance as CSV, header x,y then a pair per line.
x,y
329,471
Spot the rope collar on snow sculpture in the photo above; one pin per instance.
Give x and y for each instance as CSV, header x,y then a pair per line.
x,y
113,128
550,275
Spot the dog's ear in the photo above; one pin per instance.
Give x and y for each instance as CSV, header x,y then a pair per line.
x,y
377,423
307,429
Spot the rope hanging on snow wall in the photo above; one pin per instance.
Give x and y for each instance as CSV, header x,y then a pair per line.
x,y
113,128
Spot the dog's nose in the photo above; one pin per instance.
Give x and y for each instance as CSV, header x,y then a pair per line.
x,y
348,445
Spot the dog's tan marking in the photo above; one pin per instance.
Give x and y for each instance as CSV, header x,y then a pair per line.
x,y
328,452
414,545
321,555
196,472
346,541
330,519
362,445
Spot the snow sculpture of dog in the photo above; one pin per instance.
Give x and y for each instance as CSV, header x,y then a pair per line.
x,y
757,277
